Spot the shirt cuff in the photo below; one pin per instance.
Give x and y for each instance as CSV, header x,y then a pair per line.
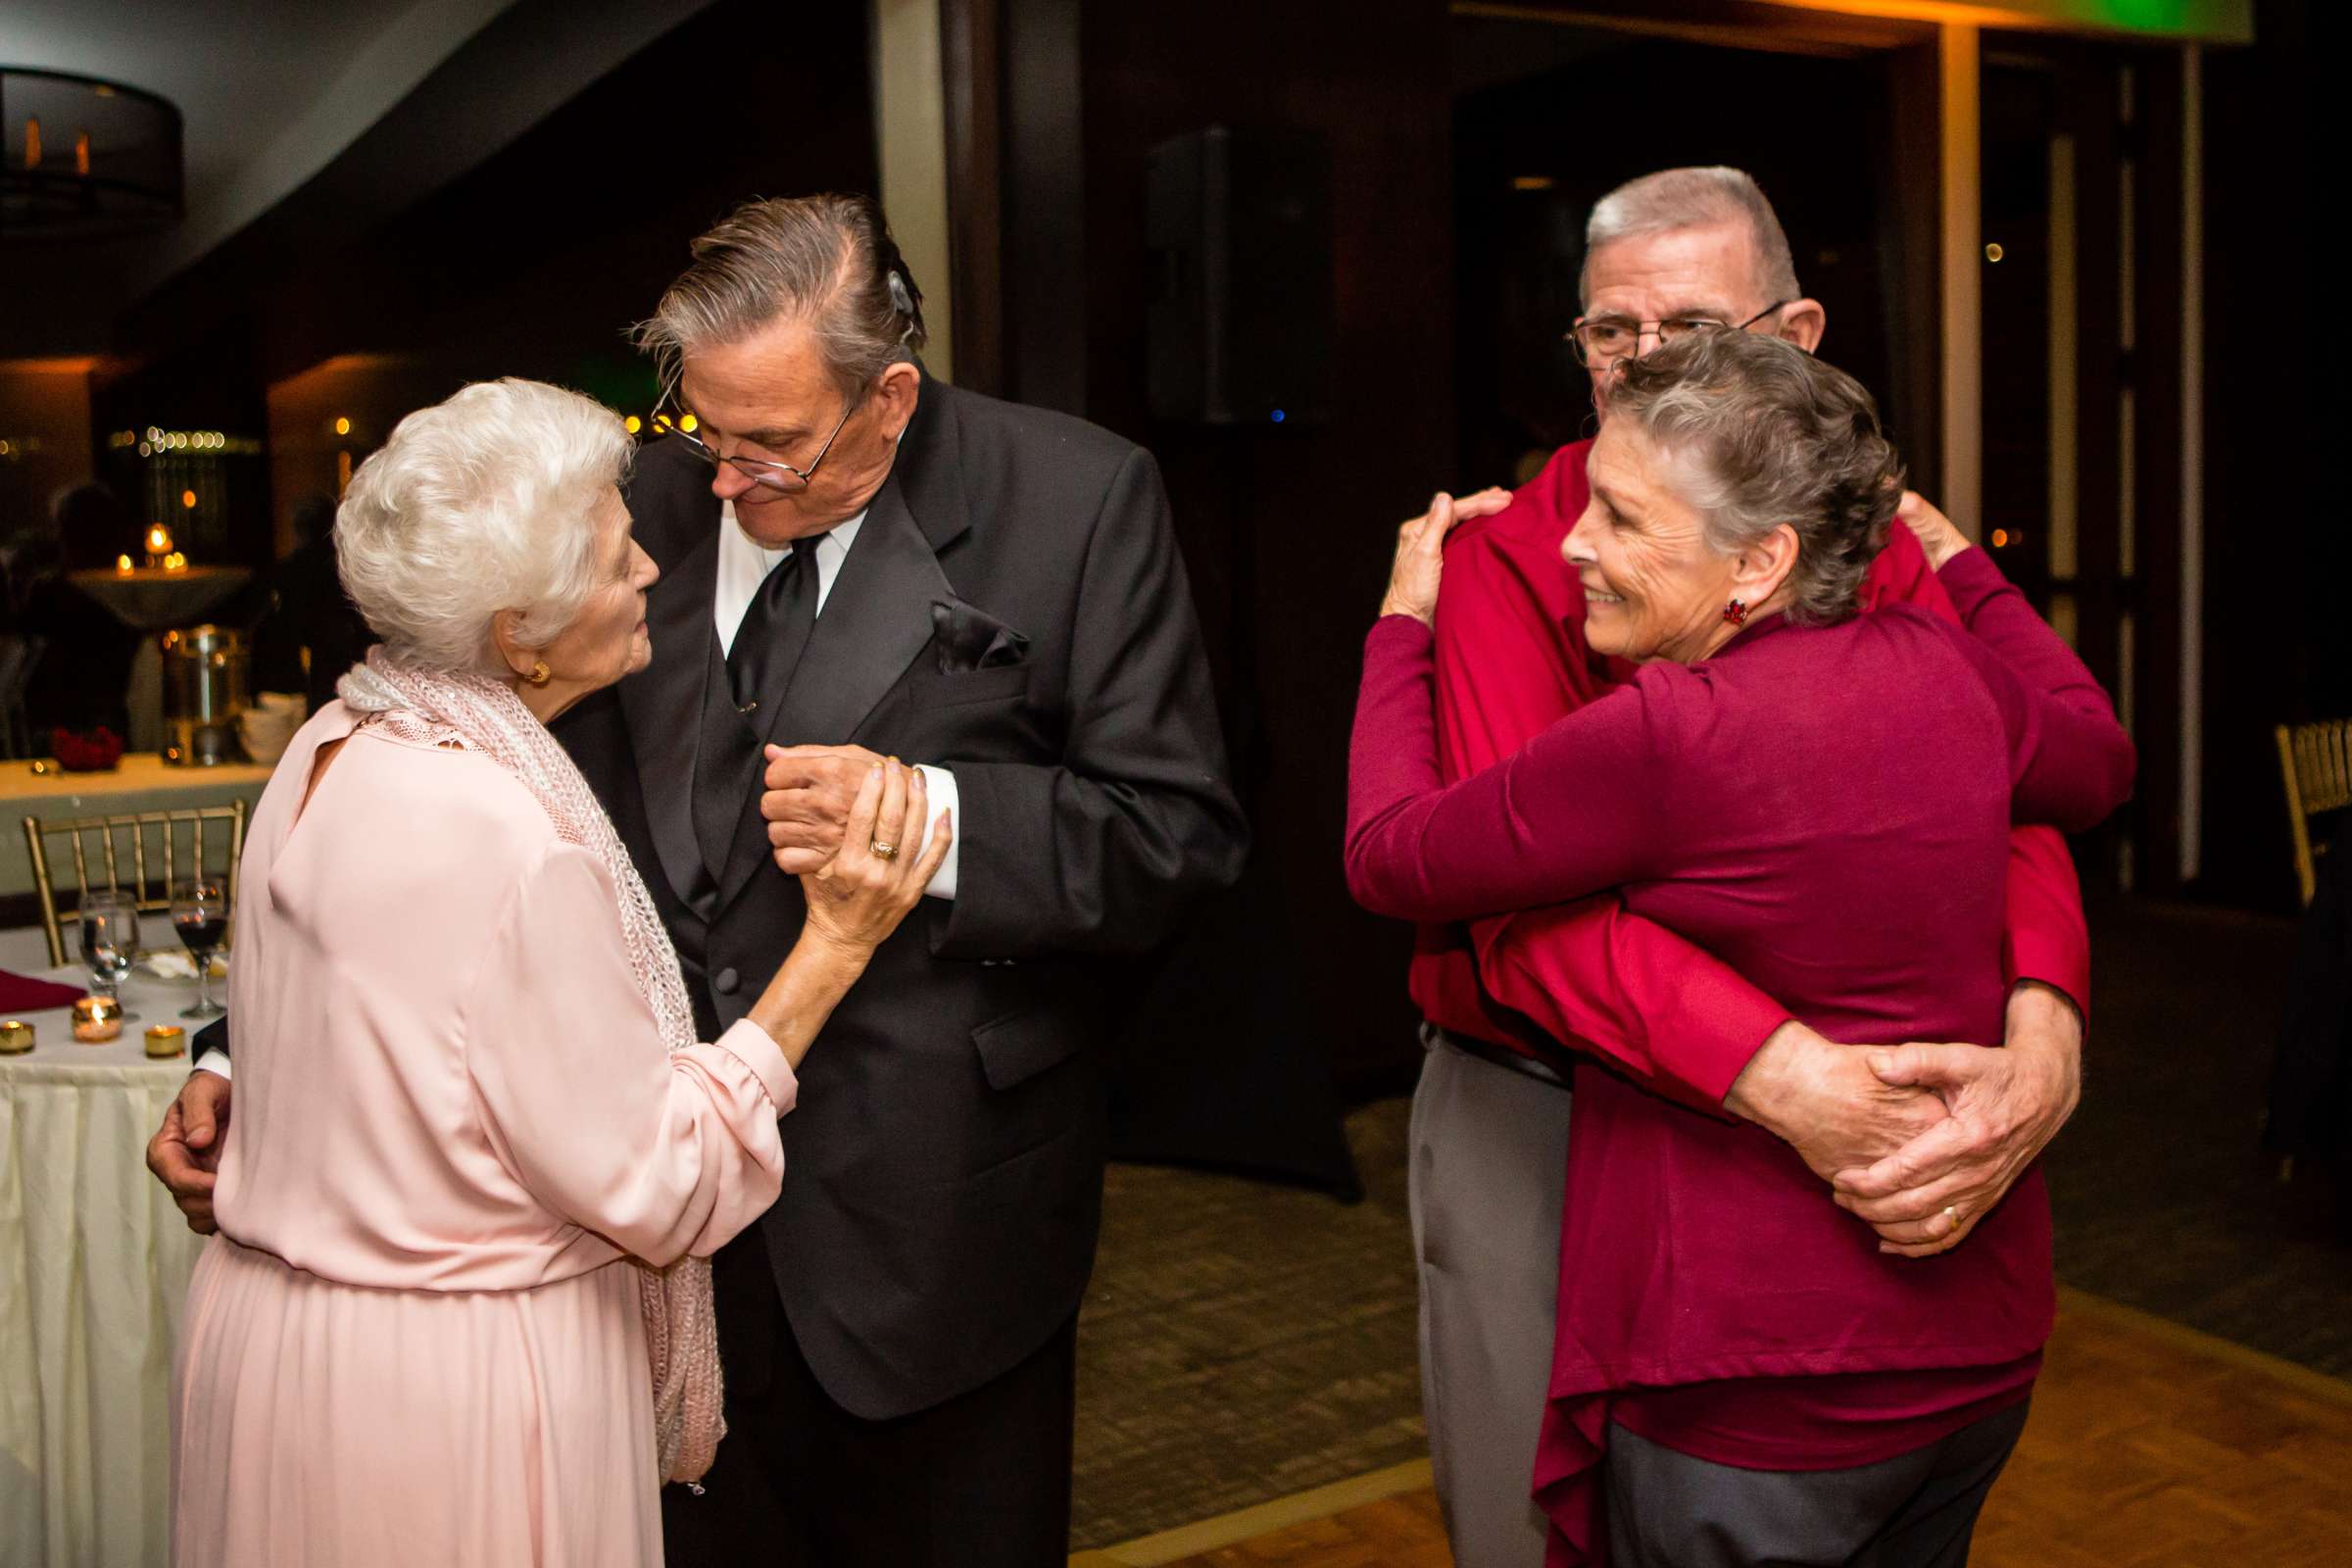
x,y
214,1062
939,787
752,1046
2052,961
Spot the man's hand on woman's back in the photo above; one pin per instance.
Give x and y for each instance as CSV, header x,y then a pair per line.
x,y
1822,1100
185,1152
1954,1126
2006,1105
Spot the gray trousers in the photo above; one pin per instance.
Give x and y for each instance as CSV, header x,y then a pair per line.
x,y
1489,1161
1914,1510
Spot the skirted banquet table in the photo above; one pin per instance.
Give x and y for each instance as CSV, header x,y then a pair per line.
x,y
94,1263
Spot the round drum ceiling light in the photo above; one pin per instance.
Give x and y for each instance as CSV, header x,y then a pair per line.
x,y
85,159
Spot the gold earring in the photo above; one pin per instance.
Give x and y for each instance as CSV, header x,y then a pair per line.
x,y
540,674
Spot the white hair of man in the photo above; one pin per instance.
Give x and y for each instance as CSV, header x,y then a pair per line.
x,y
1676,199
827,259
482,503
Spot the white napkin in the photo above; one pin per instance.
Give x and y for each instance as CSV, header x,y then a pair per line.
x,y
171,963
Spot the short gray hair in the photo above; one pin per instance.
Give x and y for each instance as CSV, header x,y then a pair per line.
x,y
1693,198
479,504
828,260
1762,433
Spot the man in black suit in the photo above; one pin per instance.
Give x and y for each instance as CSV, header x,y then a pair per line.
x,y
858,559
996,598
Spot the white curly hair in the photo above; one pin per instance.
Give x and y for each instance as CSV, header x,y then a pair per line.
x,y
481,503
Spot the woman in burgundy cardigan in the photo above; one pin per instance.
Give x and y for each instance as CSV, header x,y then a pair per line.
x,y
1823,799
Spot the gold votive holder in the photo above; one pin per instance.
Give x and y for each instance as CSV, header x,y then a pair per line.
x,y
166,1040
96,1019
15,1038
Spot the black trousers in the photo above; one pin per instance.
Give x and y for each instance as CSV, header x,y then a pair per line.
x,y
1914,1510
981,1480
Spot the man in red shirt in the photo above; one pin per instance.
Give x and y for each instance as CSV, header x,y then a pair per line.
x,y
1920,1140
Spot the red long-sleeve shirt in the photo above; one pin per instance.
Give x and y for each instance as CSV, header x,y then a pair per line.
x,y
1510,659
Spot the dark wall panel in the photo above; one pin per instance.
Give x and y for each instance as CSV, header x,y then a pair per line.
x,y
1288,532
2277,648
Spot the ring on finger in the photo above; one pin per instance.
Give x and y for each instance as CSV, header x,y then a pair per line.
x,y
1951,1212
882,851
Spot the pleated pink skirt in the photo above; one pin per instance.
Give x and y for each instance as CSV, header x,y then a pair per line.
x,y
320,1423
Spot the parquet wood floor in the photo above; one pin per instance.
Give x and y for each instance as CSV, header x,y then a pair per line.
x,y
2150,1447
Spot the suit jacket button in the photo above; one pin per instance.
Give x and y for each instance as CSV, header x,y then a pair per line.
x,y
725,981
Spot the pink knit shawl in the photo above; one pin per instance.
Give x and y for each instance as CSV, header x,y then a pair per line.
x,y
484,716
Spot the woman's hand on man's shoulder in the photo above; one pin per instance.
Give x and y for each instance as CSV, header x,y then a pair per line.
x,y
1420,563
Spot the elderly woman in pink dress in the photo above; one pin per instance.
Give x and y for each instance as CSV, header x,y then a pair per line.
x,y
456,1312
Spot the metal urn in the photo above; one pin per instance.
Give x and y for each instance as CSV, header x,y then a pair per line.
x,y
204,692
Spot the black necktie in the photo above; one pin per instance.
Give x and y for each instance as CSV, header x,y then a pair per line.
x,y
775,628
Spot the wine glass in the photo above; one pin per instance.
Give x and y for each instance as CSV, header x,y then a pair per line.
x,y
200,914
110,941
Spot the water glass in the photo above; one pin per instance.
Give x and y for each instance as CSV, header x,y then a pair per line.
x,y
110,941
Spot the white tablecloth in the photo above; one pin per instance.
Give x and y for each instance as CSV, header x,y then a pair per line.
x,y
94,1264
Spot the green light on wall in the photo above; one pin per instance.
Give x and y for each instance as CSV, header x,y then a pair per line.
x,y
2211,20
2148,16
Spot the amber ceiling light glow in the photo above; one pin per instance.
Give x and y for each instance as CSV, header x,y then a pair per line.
x,y
85,159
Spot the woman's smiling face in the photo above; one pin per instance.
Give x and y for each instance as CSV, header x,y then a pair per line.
x,y
1654,584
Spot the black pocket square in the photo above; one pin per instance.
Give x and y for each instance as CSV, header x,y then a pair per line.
x,y
970,638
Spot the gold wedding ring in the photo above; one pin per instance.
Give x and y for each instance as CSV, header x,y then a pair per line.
x,y
884,851
1951,1212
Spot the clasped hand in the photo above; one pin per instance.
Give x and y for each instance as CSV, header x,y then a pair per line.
x,y
808,794
1920,1140
859,896
2004,1107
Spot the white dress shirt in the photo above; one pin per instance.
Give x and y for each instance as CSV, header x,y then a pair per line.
x,y
742,566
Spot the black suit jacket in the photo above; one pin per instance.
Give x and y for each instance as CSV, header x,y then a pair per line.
x,y
944,1167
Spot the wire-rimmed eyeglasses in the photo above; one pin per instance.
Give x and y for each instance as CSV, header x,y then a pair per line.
x,y
1606,339
775,476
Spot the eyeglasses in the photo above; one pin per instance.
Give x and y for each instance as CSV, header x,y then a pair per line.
x,y
1605,339
781,476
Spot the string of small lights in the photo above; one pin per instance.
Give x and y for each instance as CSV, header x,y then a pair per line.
x,y
155,441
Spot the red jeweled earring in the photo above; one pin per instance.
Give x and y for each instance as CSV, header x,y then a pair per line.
x,y
1736,612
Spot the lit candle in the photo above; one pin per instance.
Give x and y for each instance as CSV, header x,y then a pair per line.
x,y
159,544
122,565
96,1019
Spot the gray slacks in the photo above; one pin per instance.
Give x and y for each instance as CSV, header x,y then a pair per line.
x,y
1914,1510
1489,1161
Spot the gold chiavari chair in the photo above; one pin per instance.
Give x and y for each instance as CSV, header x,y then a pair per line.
x,y
2316,760
106,848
